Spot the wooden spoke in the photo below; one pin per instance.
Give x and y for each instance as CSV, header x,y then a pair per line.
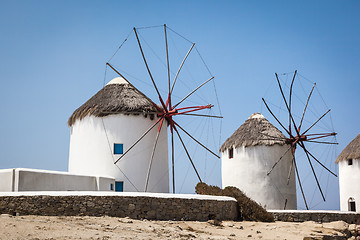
x,y
301,188
275,117
287,106
307,102
182,63
167,56
137,141
290,97
148,69
172,159
320,136
154,104
290,170
117,71
193,91
313,171
187,153
202,115
278,161
317,121
319,161
335,143
196,140
152,155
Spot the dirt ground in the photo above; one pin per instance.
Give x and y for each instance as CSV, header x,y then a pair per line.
x,y
44,227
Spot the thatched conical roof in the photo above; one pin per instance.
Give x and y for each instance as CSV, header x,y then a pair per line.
x,y
255,131
352,151
118,96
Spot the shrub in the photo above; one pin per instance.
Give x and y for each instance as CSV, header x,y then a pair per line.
x,y
248,209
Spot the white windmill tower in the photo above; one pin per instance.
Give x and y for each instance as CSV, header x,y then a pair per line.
x,y
349,176
105,126
248,156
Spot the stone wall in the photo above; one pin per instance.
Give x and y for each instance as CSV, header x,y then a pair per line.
x,y
316,216
136,207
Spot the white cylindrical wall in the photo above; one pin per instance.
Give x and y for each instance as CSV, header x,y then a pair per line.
x,y
91,151
349,184
248,169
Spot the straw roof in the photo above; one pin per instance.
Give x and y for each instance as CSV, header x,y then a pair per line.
x,y
118,96
255,131
352,151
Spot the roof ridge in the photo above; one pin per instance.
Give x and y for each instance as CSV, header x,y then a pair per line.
x,y
254,131
113,99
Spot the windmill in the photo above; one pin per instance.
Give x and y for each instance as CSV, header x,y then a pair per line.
x,y
298,136
170,109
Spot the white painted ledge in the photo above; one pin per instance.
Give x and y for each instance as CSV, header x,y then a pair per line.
x,y
311,211
120,194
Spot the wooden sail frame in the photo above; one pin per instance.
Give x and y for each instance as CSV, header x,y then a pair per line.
x,y
168,111
297,138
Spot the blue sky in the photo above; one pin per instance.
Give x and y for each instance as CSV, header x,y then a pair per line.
x,y
53,55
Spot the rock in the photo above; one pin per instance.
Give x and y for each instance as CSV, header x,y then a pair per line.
x,y
258,232
5,215
229,224
232,235
340,226
190,229
215,222
131,207
352,229
249,235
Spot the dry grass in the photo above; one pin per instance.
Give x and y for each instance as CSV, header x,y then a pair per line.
x,y
249,210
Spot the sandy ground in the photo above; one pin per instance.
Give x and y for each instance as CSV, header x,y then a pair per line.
x,y
43,227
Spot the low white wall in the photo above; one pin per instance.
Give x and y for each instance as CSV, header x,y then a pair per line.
x,y
6,180
248,168
22,179
103,183
349,184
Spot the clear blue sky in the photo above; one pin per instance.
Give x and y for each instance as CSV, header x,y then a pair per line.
x,y
52,56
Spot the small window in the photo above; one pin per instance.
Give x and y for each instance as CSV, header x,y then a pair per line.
x,y
111,187
118,148
350,162
231,153
352,206
119,186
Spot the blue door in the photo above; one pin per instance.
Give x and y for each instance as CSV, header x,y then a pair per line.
x,y
119,186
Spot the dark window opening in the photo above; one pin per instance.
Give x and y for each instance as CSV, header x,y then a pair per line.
x,y
231,153
119,186
350,162
118,148
352,206
111,187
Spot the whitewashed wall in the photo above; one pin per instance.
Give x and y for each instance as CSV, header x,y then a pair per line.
x,y
24,179
247,170
91,151
6,180
349,183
